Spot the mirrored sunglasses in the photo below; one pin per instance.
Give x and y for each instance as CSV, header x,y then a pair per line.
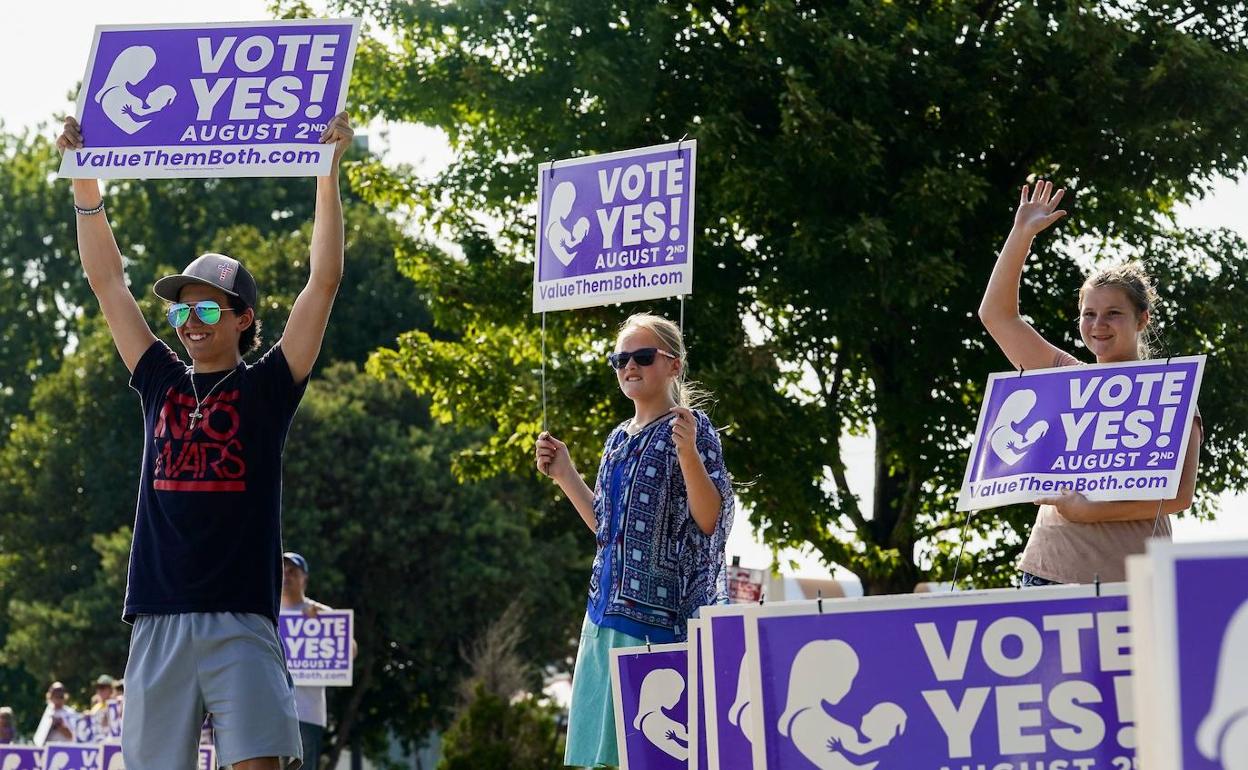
x,y
208,311
643,357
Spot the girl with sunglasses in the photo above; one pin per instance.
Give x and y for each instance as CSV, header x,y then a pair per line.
x,y
661,509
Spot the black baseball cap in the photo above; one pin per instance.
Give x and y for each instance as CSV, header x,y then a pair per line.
x,y
296,560
216,270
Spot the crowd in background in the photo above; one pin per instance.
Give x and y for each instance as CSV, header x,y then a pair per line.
x,y
59,720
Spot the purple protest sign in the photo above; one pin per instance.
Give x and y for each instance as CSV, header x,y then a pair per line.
x,y
1109,431
651,706
729,705
318,649
207,758
221,100
1198,677
72,756
21,758
85,728
992,679
110,756
615,228
115,711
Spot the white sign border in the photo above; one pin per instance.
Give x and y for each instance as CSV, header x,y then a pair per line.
x,y
693,682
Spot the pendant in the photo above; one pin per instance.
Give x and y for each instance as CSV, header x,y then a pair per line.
x,y
196,416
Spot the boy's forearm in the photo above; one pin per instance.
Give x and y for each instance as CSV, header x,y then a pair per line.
x,y
97,247
328,233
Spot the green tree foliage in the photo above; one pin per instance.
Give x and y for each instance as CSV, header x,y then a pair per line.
x,y
858,166
494,734
498,727
36,269
425,562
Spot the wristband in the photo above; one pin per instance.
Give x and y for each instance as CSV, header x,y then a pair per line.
x,y
88,212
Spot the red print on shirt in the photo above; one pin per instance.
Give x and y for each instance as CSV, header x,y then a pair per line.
x,y
206,459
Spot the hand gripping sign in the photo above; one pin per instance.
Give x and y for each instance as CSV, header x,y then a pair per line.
x,y
614,228
1189,612
1003,679
318,649
218,100
1108,431
651,706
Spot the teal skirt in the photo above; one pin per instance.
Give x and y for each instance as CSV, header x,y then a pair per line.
x,y
591,714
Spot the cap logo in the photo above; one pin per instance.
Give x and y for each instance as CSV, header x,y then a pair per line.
x,y
226,270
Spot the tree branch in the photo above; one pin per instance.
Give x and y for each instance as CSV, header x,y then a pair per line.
x,y
831,397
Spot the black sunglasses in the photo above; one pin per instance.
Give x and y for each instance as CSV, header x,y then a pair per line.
x,y
643,357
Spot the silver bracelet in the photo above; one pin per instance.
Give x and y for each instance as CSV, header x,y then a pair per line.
x,y
89,212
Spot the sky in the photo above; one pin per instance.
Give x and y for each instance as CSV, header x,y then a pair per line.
x,y
44,54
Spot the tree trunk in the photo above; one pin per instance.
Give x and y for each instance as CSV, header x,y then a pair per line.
x,y
897,484
346,724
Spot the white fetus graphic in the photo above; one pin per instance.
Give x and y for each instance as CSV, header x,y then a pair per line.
x,y
1004,438
741,712
661,690
562,240
822,675
124,108
1223,733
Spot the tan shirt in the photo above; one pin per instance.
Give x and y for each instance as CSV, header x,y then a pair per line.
x,y
1069,552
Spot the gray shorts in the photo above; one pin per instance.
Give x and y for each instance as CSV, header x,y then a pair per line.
x,y
228,664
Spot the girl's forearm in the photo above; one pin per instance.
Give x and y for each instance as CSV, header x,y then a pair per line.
x,y
704,499
1001,297
1123,510
581,497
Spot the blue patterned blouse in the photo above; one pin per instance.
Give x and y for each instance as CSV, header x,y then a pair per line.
x,y
654,566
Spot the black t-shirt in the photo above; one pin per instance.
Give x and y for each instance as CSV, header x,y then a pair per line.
x,y
208,530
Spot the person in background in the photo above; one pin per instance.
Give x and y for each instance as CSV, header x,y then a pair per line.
x,y
309,700
57,721
105,691
8,726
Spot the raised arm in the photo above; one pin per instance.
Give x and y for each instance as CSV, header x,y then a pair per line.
x,y
101,260
998,311
301,342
